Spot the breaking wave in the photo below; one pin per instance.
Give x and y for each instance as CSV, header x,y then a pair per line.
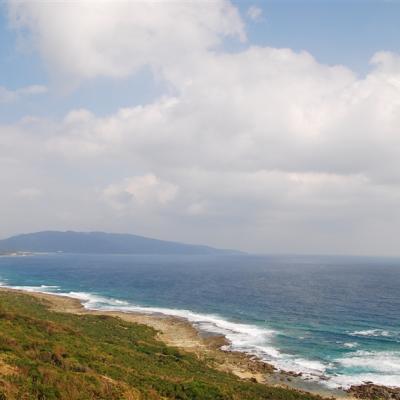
x,y
371,332
379,367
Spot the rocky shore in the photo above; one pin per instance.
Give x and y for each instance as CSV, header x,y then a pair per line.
x,y
373,392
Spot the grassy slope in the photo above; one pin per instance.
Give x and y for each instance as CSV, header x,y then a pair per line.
x,y
48,355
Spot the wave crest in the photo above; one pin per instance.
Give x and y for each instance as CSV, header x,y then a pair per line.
x,y
371,332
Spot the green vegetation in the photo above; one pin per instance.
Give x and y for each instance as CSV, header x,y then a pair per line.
x,y
49,355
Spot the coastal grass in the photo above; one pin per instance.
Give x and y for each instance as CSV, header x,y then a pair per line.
x,y
51,355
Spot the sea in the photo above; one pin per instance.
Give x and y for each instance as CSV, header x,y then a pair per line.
x,y
334,319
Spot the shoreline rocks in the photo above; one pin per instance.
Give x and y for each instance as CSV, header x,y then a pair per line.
x,y
371,391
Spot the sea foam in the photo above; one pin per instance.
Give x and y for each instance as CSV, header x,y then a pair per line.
x,y
371,332
379,367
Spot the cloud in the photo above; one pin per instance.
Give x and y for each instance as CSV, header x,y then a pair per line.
x,y
140,191
29,193
11,96
263,149
86,39
196,209
264,108
254,13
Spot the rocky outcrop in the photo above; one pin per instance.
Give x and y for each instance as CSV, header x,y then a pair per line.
x,y
374,392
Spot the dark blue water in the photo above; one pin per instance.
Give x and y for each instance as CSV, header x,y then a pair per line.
x,y
326,316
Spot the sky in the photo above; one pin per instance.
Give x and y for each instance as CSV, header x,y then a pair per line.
x,y
265,126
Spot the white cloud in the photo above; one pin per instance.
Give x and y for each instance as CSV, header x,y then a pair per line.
x,y
11,96
196,209
29,193
254,13
86,39
260,109
140,191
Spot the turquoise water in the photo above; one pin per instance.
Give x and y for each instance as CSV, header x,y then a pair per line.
x,y
328,317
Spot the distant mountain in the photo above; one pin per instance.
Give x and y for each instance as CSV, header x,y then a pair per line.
x,y
100,242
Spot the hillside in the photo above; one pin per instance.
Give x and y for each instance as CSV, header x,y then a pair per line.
x,y
100,242
52,355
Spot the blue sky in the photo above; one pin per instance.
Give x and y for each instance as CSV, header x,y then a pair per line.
x,y
345,32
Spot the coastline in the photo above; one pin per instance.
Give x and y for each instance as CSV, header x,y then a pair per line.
x,y
179,332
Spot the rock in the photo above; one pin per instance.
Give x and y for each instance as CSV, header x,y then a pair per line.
x,y
294,374
374,392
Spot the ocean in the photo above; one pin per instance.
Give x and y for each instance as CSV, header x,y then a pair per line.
x,y
335,319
